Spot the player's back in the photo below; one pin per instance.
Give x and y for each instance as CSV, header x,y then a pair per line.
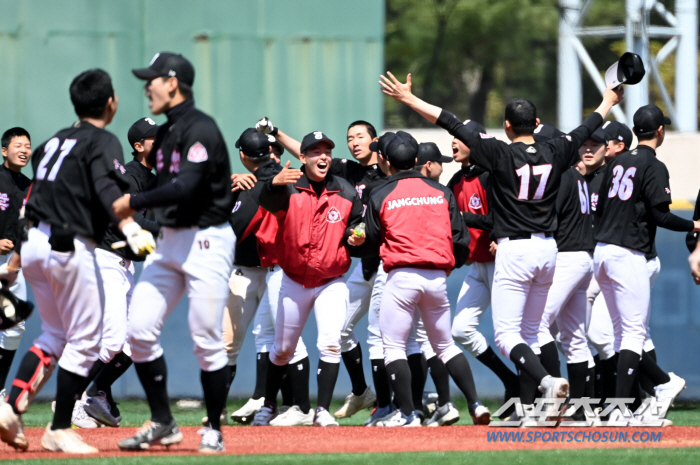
x,y
634,182
65,169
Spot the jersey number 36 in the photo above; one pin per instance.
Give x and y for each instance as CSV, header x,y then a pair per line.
x,y
622,184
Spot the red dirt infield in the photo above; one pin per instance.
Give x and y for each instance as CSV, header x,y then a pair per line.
x,y
310,440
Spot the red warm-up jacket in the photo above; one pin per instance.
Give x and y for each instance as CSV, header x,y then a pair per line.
x,y
311,243
470,187
414,222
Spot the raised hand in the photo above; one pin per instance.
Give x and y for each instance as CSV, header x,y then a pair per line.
x,y
286,176
265,126
395,89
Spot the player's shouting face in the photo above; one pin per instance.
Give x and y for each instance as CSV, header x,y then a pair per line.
x,y
317,161
460,151
159,91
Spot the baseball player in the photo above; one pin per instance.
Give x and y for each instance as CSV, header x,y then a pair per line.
x,y
365,175
471,186
255,261
192,202
692,243
637,201
116,264
408,210
317,213
78,174
16,152
526,176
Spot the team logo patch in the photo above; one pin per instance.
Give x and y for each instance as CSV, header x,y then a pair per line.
x,y
594,201
175,162
360,188
149,121
4,201
159,160
667,190
475,202
197,153
318,135
531,150
568,137
485,136
118,166
343,160
333,215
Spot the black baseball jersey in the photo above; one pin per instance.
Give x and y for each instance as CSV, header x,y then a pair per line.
x,y
247,215
575,231
595,186
191,141
363,178
634,182
66,168
13,190
139,178
525,178
691,240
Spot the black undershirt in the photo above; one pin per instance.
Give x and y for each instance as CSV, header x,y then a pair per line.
x,y
318,186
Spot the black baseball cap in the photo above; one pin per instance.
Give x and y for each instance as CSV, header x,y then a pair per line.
x,y
167,64
275,143
142,129
379,146
648,118
599,136
474,126
545,132
253,144
311,139
429,151
619,132
402,151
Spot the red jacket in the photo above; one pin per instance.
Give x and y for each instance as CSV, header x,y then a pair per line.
x,y
311,243
469,186
415,222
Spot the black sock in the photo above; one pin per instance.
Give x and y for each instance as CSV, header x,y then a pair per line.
x,y
6,357
400,379
287,390
215,385
260,374
526,360
627,368
298,375
461,373
69,388
578,372
273,383
353,362
495,364
110,373
419,369
590,383
597,385
381,382
154,379
27,367
326,376
549,357
651,370
528,388
608,378
441,379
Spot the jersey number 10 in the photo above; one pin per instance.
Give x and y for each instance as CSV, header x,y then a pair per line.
x,y
524,173
49,149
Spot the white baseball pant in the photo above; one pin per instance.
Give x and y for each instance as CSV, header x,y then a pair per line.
x,y
566,304
247,287
10,338
195,260
522,277
626,293
408,290
68,294
264,326
374,334
118,286
295,303
359,296
474,298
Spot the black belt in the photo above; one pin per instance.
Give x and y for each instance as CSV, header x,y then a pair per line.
x,y
518,237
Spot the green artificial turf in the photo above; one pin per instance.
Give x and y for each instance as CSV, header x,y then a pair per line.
x,y
572,457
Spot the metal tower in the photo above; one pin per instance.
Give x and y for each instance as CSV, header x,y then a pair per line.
x,y
680,31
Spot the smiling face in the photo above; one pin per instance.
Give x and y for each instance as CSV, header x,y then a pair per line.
x,y
460,152
17,153
592,154
358,144
317,160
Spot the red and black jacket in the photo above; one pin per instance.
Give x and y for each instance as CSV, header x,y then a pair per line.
x,y
471,186
255,227
311,242
414,222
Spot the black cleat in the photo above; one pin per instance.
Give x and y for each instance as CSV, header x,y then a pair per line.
x,y
153,433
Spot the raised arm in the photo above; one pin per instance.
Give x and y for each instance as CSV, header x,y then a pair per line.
x,y
402,93
292,145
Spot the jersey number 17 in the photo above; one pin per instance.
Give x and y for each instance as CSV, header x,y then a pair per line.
x,y
524,173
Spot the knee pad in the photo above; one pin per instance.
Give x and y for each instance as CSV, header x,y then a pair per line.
x,y
30,388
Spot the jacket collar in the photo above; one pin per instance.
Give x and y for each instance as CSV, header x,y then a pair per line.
x,y
332,184
405,174
471,170
176,112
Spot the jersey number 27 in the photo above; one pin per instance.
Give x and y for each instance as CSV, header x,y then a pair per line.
x,y
49,150
524,173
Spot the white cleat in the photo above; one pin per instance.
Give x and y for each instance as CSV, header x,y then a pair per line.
x,y
264,416
480,415
245,414
354,404
669,390
80,419
12,428
554,388
649,421
294,416
65,440
446,415
398,419
324,418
